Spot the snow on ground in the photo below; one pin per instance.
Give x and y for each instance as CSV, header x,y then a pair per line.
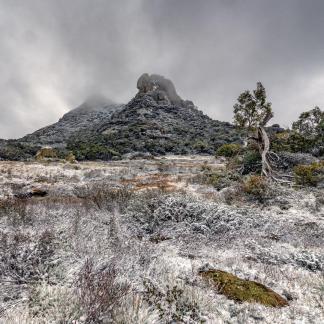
x,y
149,219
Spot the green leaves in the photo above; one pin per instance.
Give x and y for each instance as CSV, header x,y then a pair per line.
x,y
252,110
308,131
310,123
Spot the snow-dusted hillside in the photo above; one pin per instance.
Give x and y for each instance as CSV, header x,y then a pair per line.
x,y
87,116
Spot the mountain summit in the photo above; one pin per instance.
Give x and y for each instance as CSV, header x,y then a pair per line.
x,y
162,90
156,121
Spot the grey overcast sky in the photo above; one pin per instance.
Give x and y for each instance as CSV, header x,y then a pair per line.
x,y
56,53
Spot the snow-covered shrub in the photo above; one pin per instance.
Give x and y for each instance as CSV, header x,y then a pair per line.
x,y
288,160
172,304
103,196
99,292
24,259
155,210
279,256
166,211
309,260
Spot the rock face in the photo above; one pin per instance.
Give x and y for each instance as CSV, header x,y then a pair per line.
x,y
162,90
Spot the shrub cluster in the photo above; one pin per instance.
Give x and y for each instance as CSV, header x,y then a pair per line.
x,y
15,151
103,196
100,292
219,179
256,186
26,260
228,150
251,162
92,151
172,304
309,175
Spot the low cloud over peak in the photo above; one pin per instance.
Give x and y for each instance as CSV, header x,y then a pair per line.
x,y
55,54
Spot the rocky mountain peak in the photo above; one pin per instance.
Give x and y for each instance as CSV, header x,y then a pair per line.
x,y
156,121
160,89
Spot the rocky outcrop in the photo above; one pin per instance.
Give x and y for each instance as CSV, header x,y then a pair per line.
x,y
159,88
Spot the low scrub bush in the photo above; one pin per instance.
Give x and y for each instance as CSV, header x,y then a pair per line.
x,y
16,210
103,196
53,304
172,304
251,162
46,153
228,150
309,175
218,179
256,186
26,260
70,157
100,292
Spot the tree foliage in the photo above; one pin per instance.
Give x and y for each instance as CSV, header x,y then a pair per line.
x,y
310,124
308,132
252,109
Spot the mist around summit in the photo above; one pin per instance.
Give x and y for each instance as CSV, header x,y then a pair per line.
x,y
161,162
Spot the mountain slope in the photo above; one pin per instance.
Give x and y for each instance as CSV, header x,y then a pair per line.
x,y
155,121
88,115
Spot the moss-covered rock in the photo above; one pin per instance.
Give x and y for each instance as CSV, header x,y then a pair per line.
x,y
242,290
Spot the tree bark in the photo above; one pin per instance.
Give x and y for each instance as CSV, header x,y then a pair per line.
x,y
264,147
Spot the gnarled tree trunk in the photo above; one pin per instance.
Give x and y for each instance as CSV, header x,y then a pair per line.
x,y
264,147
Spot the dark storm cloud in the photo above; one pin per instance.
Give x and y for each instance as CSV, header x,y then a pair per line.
x,y
53,54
